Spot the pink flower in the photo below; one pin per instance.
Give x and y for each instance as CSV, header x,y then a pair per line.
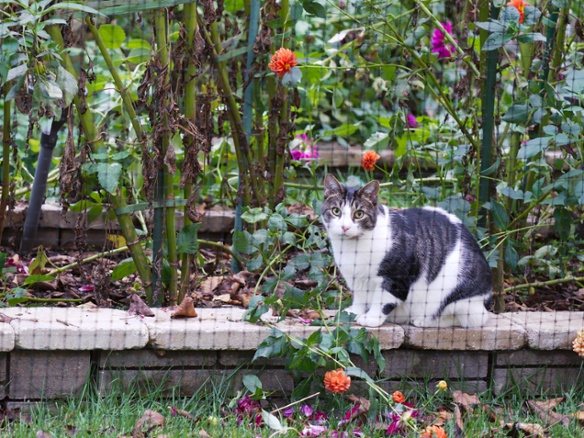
x,y
439,43
304,149
313,430
411,121
249,408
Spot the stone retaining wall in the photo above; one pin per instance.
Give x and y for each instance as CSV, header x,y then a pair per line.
x,y
51,353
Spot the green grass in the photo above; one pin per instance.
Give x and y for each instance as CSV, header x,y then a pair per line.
x,y
116,414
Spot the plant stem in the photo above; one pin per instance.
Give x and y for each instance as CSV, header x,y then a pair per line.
x,y
118,201
222,247
190,24
6,140
544,283
88,259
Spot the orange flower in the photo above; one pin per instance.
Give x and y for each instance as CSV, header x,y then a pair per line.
x,y
398,397
369,159
282,61
434,432
520,6
337,381
578,344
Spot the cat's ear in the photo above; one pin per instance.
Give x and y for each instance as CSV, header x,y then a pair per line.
x,y
332,186
370,191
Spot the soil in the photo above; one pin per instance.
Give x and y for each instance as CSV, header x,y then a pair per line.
x,y
212,286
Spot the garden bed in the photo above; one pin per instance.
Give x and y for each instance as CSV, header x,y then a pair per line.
x,y
51,353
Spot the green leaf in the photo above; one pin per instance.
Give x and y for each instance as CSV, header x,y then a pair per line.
x,y
314,8
533,147
531,37
277,222
492,26
377,141
344,130
16,72
113,36
500,216
301,261
73,7
511,256
562,222
68,85
252,383
575,80
531,15
2,260
271,421
254,215
255,263
510,13
518,113
255,310
186,241
289,238
108,175
358,372
242,242
123,269
293,77
31,279
496,40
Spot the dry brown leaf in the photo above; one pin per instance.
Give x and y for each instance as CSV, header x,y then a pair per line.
x,y
209,284
139,307
545,411
151,420
225,298
41,434
363,408
579,416
467,401
204,434
458,423
442,418
241,277
186,309
532,430
5,318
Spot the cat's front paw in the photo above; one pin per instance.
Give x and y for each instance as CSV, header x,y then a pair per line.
x,y
371,319
356,310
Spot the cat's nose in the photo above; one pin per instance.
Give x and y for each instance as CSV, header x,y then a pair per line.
x,y
345,228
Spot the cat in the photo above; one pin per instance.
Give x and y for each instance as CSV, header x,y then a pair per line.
x,y
418,266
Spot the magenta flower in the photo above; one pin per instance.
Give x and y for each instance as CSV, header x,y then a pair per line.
x,y
303,148
411,121
439,43
313,430
399,422
249,408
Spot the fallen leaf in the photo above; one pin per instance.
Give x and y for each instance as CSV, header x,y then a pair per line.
x,y
139,307
579,416
458,424
241,277
225,298
181,412
533,430
363,408
5,318
467,401
151,420
209,284
186,309
204,434
41,434
545,411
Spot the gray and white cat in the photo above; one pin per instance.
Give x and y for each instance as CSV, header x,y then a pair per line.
x,y
417,266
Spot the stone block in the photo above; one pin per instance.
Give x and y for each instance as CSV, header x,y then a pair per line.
x,y
277,381
224,329
533,358
165,383
535,381
93,238
136,359
238,358
3,375
7,337
429,387
549,330
25,409
38,375
500,333
435,364
54,328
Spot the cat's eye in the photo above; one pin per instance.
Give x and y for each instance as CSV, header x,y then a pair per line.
x,y
359,214
336,211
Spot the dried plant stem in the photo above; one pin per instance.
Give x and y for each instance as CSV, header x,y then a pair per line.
x,y
316,394
568,279
118,201
6,140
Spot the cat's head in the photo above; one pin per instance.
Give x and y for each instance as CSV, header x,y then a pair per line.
x,y
349,211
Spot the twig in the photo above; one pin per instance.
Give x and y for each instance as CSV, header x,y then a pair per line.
x,y
295,403
66,323
543,283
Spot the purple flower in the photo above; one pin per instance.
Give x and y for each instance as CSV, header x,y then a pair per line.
x,y
303,148
399,422
307,410
249,408
411,121
313,430
439,43
288,412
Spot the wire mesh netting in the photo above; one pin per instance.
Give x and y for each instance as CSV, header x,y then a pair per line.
x,y
249,196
